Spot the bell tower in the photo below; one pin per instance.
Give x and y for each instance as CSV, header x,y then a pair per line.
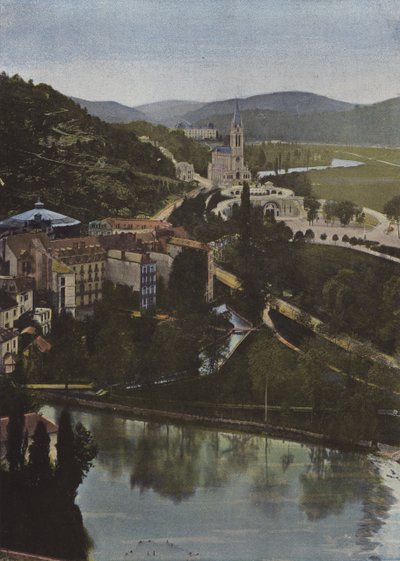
x,y
237,143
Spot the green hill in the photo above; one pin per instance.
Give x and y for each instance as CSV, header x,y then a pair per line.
x,y
183,148
377,124
77,164
110,111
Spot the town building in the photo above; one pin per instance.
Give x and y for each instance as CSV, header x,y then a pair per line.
x,y
9,310
8,350
276,202
26,255
201,132
184,171
29,256
86,259
63,288
21,289
227,162
42,317
136,270
40,219
111,226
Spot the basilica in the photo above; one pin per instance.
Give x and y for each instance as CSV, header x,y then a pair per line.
x,y
227,165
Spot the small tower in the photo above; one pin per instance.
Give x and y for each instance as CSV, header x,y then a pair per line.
x,y
237,143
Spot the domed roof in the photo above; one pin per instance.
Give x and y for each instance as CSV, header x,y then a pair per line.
x,y
39,214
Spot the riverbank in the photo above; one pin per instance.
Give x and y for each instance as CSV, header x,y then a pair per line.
x,y
158,415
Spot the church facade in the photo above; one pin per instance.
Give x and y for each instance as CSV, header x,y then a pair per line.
x,y
227,165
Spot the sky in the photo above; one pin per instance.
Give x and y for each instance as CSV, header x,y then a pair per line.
x,y
141,51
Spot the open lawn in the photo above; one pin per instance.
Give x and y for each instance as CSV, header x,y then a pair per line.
x,y
369,185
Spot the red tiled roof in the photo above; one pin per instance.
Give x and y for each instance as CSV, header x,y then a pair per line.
x,y
43,345
31,421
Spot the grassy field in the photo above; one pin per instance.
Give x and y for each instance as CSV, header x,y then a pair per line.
x,y
370,185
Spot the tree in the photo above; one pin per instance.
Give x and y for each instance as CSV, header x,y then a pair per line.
x,y
39,461
298,237
309,235
312,365
329,210
267,360
75,453
392,211
345,210
187,282
65,451
15,439
312,206
245,216
335,238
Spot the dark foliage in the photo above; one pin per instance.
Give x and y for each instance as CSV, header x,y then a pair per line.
x,y
78,164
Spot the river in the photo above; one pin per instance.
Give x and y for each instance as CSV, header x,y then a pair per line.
x,y
231,497
336,163
230,343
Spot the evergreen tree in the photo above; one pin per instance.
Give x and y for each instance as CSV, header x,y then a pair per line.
x,y
245,216
65,452
75,453
39,461
15,439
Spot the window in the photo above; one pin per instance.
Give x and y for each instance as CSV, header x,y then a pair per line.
x,y
62,281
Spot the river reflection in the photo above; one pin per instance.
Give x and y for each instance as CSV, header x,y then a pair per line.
x,y
225,496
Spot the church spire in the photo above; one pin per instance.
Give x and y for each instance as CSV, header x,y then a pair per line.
x,y
237,119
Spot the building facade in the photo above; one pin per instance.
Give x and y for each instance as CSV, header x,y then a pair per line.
x,y
8,350
277,202
227,164
202,132
43,316
9,310
21,289
86,259
136,270
184,171
113,226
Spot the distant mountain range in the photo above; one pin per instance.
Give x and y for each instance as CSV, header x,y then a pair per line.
x,y
290,116
111,111
293,103
170,112
370,124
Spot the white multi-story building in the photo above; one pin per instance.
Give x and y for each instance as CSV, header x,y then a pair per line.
x,y
21,289
201,132
42,316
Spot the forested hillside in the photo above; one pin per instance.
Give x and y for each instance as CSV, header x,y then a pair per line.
x,y
377,124
76,163
184,149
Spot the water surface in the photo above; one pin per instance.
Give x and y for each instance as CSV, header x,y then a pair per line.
x,y
336,163
229,497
